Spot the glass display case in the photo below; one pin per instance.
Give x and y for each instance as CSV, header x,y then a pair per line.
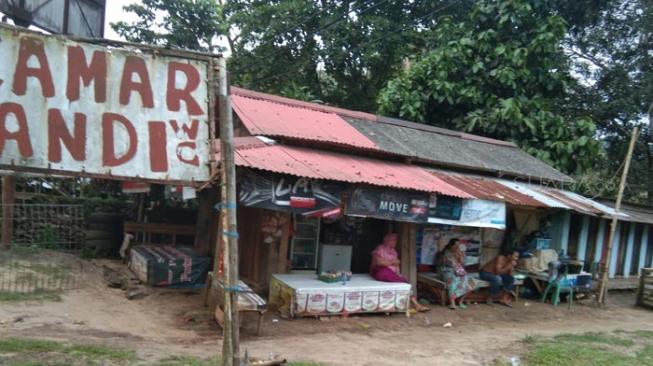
x,y
304,243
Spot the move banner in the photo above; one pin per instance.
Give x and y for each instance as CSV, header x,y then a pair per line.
x,y
287,193
421,207
87,109
385,203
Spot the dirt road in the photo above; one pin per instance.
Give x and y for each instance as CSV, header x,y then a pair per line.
x,y
175,323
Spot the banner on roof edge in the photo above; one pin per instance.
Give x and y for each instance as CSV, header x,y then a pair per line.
x,y
478,213
420,207
287,193
386,203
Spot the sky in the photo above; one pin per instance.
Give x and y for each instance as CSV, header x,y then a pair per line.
x,y
115,13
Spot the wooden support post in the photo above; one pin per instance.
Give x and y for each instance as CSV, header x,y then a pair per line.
x,y
564,235
408,253
582,239
600,237
643,245
630,247
603,289
231,331
8,196
207,198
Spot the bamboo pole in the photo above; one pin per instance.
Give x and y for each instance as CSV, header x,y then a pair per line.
x,y
230,342
613,226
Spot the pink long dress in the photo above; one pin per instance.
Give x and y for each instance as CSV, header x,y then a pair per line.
x,y
384,253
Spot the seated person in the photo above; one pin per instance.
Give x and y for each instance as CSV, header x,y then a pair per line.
x,y
385,265
459,282
498,272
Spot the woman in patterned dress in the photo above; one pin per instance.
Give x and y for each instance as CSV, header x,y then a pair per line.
x,y
459,282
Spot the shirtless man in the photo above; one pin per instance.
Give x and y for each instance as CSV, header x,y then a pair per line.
x,y
498,272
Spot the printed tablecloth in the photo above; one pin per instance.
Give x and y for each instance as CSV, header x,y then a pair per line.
x,y
305,295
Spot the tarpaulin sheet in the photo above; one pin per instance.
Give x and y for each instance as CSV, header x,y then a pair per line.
x,y
159,265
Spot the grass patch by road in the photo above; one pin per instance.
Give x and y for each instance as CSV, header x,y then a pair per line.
x,y
23,352
620,348
37,352
37,295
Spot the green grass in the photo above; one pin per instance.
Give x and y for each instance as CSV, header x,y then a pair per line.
x,y
595,338
36,352
620,348
30,352
37,295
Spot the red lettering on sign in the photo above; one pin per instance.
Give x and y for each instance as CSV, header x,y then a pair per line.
x,y
191,145
95,72
58,133
174,96
158,153
109,157
136,65
191,131
32,47
21,135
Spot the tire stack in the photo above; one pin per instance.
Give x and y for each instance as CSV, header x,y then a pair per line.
x,y
103,235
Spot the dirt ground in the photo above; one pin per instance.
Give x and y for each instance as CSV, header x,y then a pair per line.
x,y
174,322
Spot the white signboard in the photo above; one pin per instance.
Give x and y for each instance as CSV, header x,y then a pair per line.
x,y
82,108
478,213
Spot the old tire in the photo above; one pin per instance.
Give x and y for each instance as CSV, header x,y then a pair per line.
x,y
100,235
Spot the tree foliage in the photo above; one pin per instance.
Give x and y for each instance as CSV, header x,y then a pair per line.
x,y
499,73
188,24
536,72
615,58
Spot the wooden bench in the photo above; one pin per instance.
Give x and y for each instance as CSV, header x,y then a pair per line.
x,y
146,229
431,282
248,302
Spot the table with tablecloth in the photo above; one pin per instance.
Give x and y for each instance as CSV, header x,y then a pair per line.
x,y
297,295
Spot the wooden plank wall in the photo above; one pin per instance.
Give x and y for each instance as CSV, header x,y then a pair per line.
x,y
645,293
407,248
263,245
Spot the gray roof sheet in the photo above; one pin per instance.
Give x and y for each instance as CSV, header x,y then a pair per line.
x,y
455,149
636,213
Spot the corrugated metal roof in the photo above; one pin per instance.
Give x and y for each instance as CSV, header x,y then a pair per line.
x,y
299,103
268,118
319,164
636,213
569,201
455,149
530,191
488,189
274,116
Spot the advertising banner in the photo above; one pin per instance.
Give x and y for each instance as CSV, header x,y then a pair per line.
x,y
478,213
388,204
288,193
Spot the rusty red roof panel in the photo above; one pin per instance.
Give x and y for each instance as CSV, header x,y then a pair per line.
x,y
299,103
488,189
570,202
269,118
318,164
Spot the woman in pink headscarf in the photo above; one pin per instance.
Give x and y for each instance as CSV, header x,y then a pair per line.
x,y
385,265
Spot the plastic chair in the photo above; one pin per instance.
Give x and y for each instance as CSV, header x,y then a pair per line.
x,y
560,285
